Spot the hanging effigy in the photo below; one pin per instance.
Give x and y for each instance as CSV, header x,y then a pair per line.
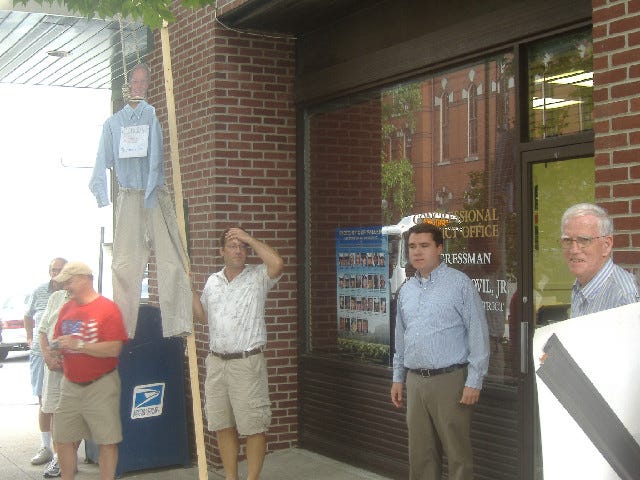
x,y
132,145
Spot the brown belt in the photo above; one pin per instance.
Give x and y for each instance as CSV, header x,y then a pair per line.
x,y
84,384
236,355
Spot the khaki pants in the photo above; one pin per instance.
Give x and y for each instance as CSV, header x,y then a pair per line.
x,y
438,424
137,231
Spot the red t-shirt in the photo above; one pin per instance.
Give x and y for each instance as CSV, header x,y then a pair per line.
x,y
96,321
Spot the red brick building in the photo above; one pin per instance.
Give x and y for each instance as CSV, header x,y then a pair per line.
x,y
280,118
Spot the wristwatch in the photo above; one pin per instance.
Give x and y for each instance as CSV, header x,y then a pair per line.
x,y
80,345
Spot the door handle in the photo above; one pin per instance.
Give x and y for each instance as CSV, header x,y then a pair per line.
x,y
524,347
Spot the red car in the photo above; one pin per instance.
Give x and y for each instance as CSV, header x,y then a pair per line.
x,y
13,336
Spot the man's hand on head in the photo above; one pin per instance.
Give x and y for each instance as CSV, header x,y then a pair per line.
x,y
238,234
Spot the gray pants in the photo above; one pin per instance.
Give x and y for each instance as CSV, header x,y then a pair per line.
x,y
137,231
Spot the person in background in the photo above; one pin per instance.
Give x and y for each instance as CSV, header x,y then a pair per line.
x,y
89,333
587,240
442,347
37,305
53,368
236,386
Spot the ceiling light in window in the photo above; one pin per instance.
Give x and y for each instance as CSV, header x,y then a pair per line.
x,y
584,79
58,53
578,77
549,103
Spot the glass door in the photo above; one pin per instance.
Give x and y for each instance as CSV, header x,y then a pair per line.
x,y
558,171
556,178
555,186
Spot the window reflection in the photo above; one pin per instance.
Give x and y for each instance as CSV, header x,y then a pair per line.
x,y
443,147
561,86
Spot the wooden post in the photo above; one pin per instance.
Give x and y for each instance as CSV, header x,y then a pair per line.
x,y
177,189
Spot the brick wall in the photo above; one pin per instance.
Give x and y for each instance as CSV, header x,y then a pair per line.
x,y
236,135
236,122
616,62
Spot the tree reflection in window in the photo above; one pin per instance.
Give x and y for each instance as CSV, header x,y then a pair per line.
x,y
561,86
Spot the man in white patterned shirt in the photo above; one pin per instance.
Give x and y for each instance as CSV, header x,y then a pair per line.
x,y
587,239
236,386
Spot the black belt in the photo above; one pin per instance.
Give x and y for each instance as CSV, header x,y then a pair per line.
x,y
432,372
84,384
235,356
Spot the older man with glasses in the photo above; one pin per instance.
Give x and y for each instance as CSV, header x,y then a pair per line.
x,y
587,240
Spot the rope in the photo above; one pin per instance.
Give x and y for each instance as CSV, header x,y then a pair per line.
x,y
135,41
126,88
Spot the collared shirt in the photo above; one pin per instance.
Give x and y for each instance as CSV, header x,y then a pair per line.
x,y
611,287
235,309
141,173
441,322
37,305
50,315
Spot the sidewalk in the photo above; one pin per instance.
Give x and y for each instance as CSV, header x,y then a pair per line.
x,y
282,465
19,439
289,464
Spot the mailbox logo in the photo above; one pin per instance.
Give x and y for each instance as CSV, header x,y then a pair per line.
x,y
147,400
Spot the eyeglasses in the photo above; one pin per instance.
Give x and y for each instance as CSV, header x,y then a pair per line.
x,y
238,246
582,242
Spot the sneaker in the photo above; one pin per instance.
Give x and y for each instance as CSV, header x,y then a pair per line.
x,y
53,469
43,456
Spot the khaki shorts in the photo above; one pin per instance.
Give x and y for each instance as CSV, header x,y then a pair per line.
x,y
50,390
91,411
237,394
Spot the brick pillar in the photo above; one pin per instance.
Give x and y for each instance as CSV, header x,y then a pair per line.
x,y
616,64
237,138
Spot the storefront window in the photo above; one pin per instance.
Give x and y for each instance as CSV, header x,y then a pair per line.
x,y
561,86
439,150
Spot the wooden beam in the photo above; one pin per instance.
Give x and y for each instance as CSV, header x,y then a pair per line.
x,y
177,189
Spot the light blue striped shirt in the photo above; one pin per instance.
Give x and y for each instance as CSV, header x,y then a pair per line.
x,y
140,173
441,322
611,287
37,305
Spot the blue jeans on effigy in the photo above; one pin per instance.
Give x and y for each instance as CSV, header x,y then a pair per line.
x,y
138,230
